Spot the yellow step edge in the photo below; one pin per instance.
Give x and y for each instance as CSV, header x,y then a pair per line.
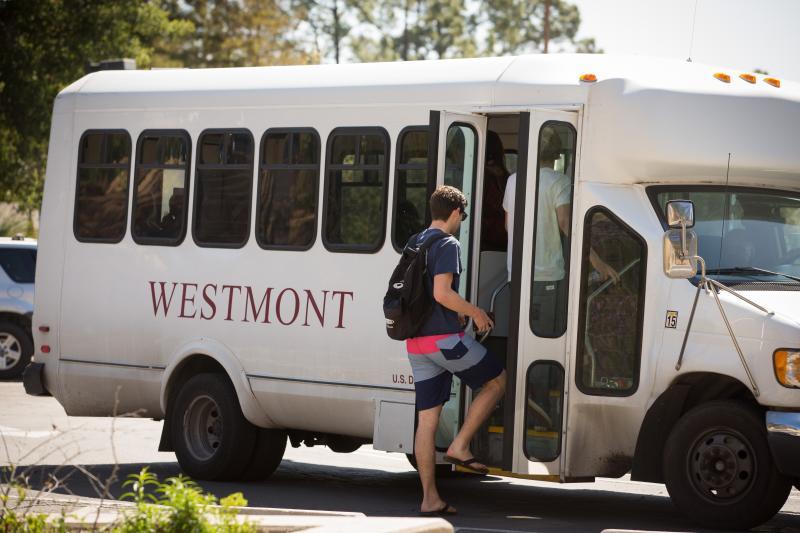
x,y
529,433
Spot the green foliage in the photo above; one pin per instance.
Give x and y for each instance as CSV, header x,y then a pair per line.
x,y
15,521
182,507
230,33
47,45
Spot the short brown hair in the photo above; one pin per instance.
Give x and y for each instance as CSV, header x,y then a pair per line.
x,y
444,200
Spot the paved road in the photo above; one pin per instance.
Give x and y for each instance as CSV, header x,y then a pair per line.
x,y
37,434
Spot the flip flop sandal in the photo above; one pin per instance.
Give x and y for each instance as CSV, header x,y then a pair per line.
x,y
446,510
467,463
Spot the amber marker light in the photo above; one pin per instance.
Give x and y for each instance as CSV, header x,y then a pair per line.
x,y
749,78
588,78
721,76
775,82
787,367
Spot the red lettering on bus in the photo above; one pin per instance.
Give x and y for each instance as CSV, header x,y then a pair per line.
x,y
184,299
230,298
310,302
296,307
341,295
250,305
209,301
162,297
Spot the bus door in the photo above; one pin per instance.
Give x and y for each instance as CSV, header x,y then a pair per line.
x,y
540,310
458,141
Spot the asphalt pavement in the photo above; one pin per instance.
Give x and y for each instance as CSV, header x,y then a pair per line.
x,y
87,456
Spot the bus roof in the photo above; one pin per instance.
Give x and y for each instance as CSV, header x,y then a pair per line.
x,y
481,81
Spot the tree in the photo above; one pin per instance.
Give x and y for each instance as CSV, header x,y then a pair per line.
x,y
416,29
231,33
517,26
46,45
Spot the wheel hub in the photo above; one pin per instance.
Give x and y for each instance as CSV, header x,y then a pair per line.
x,y
203,428
722,465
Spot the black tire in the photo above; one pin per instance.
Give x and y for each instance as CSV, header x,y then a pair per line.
x,y
267,454
212,439
16,349
718,468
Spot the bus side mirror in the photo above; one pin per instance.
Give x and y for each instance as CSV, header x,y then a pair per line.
x,y
680,214
680,243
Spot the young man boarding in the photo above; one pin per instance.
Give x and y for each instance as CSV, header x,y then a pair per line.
x,y
441,349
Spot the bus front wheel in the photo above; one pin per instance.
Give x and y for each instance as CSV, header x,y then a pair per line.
x,y
212,439
718,468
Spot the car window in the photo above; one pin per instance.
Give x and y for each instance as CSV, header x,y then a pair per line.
x,y
19,264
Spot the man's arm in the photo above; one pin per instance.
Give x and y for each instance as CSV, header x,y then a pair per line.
x,y
444,294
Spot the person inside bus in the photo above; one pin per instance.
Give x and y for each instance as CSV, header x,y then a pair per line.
x,y
552,221
171,222
442,349
495,175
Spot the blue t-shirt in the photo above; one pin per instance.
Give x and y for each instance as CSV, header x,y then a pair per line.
x,y
444,256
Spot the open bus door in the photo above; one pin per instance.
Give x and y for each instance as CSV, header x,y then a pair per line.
x,y
541,320
458,143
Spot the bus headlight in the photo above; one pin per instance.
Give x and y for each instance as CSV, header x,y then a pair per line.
x,y
787,367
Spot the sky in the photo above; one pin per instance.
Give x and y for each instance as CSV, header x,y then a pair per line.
x,y
738,34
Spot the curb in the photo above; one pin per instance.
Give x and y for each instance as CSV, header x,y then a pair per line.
x,y
83,513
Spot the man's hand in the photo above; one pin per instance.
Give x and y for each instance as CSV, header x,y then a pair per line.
x,y
605,270
482,321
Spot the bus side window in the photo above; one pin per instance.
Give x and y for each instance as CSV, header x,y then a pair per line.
x,y
286,213
160,200
354,219
224,183
101,196
611,316
411,185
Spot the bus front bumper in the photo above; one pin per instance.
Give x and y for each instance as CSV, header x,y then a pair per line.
x,y
783,435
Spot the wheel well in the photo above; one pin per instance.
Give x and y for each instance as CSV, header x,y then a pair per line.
x,y
189,367
23,321
685,393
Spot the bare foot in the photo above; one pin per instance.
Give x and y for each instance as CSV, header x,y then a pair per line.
x,y
465,455
439,507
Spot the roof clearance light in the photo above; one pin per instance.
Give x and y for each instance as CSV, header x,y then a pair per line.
x,y
588,78
775,82
749,78
721,76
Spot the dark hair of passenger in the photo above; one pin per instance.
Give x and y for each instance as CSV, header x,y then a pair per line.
x,y
495,153
444,200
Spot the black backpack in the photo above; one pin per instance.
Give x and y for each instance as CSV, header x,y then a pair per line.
x,y
407,304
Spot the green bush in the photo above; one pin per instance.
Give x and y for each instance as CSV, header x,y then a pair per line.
x,y
177,505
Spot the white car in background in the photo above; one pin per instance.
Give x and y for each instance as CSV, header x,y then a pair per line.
x,y
17,271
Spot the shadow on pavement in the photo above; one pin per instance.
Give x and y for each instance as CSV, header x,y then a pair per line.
x,y
483,502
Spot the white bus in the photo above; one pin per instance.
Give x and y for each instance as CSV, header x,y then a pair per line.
x,y
215,245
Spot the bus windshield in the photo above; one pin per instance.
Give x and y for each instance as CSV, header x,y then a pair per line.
x,y
743,234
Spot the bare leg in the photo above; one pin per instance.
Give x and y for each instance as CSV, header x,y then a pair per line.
x,y
425,452
479,410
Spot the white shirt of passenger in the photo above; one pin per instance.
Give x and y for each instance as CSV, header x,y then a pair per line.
x,y
555,190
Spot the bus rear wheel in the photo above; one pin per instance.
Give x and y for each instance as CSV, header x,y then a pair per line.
x,y
212,439
267,454
718,468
